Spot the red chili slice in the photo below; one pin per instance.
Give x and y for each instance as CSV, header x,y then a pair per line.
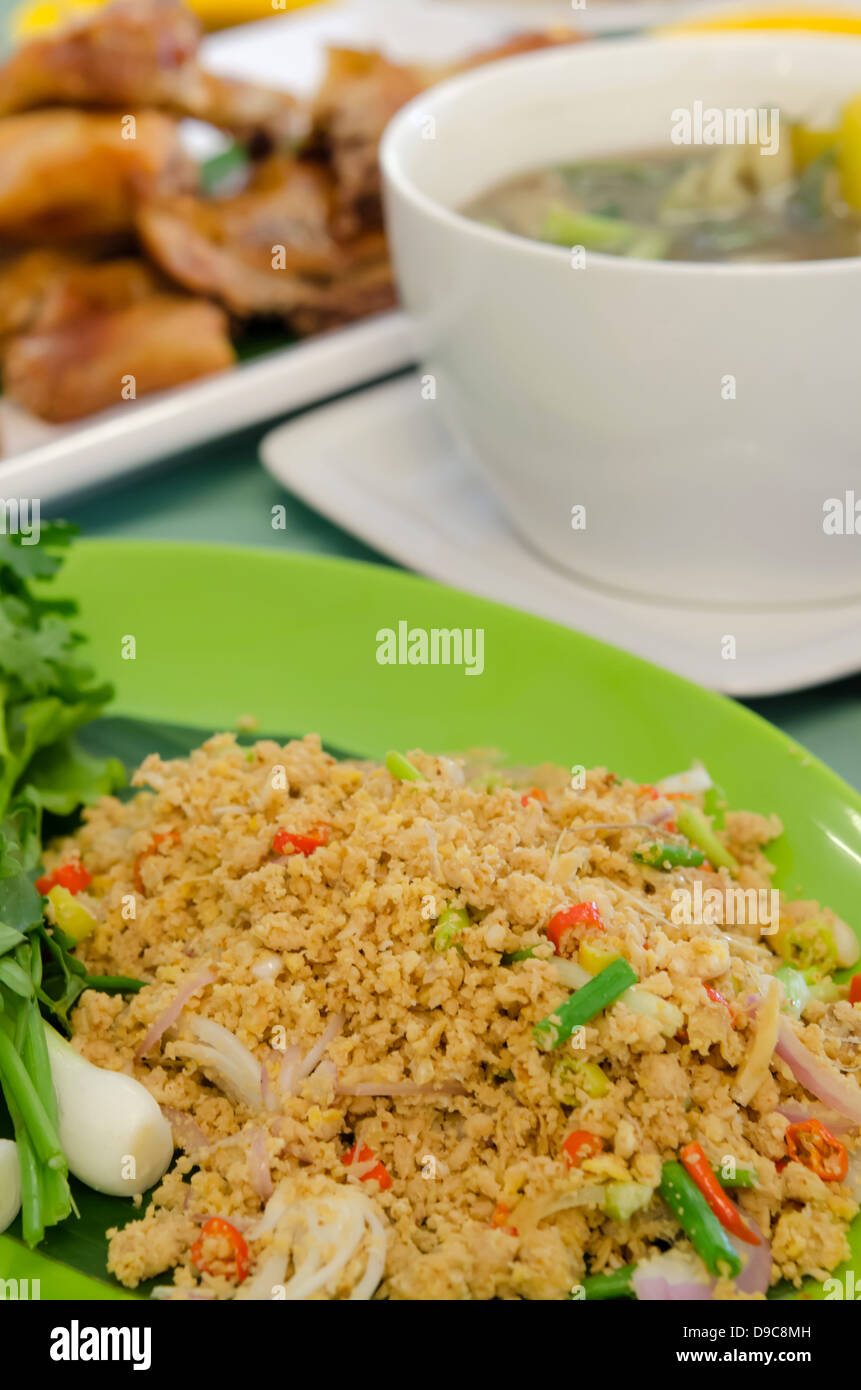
x,y
379,1173
569,918
580,1144
172,837
217,1226
810,1143
290,842
72,876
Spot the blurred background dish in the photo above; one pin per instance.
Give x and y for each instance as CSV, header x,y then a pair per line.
x,y
242,216
649,426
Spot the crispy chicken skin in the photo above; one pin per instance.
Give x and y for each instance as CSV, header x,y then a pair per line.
x,y
136,52
269,251
302,243
52,287
75,368
67,174
143,53
360,93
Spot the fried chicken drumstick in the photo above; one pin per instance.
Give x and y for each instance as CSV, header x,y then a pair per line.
x,y
91,162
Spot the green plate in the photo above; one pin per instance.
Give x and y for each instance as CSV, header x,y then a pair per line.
x,y
291,639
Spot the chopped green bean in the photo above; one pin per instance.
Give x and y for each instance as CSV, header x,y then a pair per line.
x,y
668,856
699,1222
511,957
579,1007
403,769
616,1284
449,926
115,984
744,1175
697,828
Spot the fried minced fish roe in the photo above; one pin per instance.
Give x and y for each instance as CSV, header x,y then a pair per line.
x,y
362,1099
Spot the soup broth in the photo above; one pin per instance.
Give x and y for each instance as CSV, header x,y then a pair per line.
x,y
734,204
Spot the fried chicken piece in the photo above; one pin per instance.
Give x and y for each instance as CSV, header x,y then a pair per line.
x,y
89,363
265,119
67,175
268,250
52,287
138,53
366,287
133,53
358,97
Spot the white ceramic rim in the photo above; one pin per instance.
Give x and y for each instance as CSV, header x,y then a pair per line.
x,y
402,127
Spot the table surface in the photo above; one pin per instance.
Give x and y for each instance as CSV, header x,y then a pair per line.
x,y
220,493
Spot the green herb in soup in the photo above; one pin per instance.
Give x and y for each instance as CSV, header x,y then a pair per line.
x,y
732,203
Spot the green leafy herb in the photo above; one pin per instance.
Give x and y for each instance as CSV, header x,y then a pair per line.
x,y
46,694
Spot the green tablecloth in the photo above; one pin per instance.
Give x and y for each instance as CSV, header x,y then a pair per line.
x,y
220,493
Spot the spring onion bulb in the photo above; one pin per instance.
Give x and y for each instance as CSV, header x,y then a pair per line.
x,y
668,1017
10,1183
696,779
112,1131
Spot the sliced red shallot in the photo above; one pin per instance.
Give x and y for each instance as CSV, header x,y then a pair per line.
x,y
672,1276
326,1071
818,1077
755,1275
270,1100
226,1058
832,1119
169,1015
660,814
275,1208
853,1176
290,1059
258,1167
330,1032
266,1282
402,1088
186,1131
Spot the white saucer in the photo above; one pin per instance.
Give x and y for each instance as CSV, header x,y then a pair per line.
x,y
381,465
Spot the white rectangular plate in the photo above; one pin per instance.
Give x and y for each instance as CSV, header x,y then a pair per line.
x,y
48,462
